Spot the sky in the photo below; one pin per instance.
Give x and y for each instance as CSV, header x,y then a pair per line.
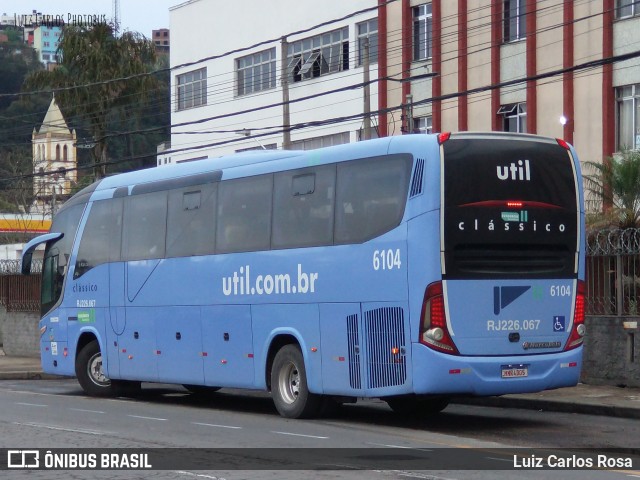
x,y
136,15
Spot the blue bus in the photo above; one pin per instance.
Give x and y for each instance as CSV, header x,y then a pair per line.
x,y
410,268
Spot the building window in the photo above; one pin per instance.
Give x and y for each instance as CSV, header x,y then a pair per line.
x,y
515,117
514,20
368,30
422,32
192,89
627,8
628,100
268,146
46,44
320,142
319,55
256,72
65,154
422,125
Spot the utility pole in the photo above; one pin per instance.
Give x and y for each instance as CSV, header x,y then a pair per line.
x,y
367,91
116,17
409,104
286,115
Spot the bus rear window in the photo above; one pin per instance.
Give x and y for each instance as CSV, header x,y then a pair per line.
x,y
510,209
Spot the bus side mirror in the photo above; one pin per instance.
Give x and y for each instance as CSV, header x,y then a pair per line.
x,y
27,253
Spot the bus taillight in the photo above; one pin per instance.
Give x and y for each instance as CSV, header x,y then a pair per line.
x,y
433,327
443,137
578,330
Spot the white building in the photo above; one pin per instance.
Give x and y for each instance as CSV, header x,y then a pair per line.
x,y
322,59
54,160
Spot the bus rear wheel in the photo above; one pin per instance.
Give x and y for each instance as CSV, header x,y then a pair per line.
x,y
89,371
289,390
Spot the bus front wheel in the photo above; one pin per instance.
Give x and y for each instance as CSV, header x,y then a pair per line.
x,y
89,371
291,395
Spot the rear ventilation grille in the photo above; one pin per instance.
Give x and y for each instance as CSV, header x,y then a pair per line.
x,y
386,354
416,182
530,260
355,379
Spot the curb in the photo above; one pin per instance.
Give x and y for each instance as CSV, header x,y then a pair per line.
x,y
28,376
552,406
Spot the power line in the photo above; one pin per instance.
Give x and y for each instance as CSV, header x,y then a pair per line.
x,y
581,67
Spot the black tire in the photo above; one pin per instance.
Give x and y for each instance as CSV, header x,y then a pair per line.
x,y
417,406
289,390
90,374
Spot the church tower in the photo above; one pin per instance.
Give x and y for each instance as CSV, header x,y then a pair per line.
x,y
54,161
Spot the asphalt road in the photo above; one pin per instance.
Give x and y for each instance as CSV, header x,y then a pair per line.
x,y
55,414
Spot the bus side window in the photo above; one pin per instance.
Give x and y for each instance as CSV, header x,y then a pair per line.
x,y
371,196
244,214
303,207
100,241
191,221
145,225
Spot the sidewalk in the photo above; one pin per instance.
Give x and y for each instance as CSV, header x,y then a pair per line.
x,y
585,399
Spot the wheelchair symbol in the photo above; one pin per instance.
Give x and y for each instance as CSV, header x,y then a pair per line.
x,y
558,324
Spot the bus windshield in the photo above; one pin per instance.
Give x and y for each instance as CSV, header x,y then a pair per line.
x,y
57,254
510,209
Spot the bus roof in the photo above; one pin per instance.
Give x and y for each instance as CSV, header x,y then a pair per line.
x,y
287,159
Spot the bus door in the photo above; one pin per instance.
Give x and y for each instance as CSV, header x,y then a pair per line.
x,y
510,223
227,346
143,247
342,357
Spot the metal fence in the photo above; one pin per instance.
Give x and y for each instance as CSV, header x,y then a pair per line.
x,y
19,293
613,272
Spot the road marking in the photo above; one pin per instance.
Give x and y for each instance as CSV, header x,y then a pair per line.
x,y
217,426
63,429
87,411
148,418
400,446
199,475
31,404
500,459
403,473
299,435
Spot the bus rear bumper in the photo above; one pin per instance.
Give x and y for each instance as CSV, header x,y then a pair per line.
x,y
438,373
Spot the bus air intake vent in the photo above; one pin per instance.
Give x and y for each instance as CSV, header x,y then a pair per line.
x,y
355,380
529,260
416,182
386,360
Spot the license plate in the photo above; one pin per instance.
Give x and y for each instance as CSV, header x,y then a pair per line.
x,y
511,371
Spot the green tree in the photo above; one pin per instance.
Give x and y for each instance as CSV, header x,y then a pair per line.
x,y
99,75
613,190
